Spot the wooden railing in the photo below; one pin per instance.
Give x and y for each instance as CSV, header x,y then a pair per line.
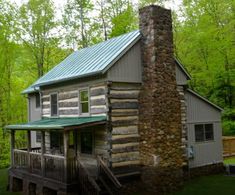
x,y
87,185
21,160
54,167
35,163
107,178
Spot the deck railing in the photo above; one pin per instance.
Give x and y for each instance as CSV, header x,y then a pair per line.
x,y
52,166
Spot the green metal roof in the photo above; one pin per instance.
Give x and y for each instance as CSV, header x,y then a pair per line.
x,y
30,89
93,60
56,123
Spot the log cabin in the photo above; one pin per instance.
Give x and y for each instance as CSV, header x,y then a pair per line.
x,y
117,109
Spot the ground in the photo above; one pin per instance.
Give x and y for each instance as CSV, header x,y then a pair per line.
x,y
3,183
207,185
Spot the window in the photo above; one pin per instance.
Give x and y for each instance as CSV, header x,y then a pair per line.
x,y
84,101
37,100
38,136
204,132
54,104
56,140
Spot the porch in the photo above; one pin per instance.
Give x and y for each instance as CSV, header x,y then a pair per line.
x,y
60,168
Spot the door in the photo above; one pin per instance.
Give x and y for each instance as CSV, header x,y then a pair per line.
x,y
86,142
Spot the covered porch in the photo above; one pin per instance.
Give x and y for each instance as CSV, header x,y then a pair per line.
x,y
68,157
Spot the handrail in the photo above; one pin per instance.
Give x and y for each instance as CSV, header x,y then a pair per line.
x,y
18,150
87,183
109,174
53,156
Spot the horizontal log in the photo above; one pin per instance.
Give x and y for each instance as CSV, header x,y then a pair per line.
x,y
126,156
45,98
125,130
45,106
125,86
130,94
123,105
100,101
68,95
120,139
120,123
98,110
125,163
124,112
124,118
68,112
68,104
125,149
97,91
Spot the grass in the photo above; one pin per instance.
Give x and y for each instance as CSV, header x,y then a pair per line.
x,y
3,183
229,161
209,185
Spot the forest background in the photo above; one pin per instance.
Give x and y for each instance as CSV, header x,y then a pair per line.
x,y
35,36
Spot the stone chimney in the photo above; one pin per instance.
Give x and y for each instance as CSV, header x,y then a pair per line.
x,y
160,130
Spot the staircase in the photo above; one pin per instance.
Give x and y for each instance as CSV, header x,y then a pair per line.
x,y
104,184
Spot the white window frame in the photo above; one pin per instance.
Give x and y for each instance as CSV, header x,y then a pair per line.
x,y
204,133
80,103
54,93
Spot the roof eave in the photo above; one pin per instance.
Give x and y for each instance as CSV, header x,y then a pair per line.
x,y
206,100
67,79
183,69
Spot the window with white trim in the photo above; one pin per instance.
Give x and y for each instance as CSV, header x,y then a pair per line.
x,y
84,101
54,104
204,132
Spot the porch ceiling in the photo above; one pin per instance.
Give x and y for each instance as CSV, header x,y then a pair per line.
x,y
59,123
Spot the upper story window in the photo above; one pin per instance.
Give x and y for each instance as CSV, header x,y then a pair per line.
x,y
204,132
54,104
37,100
84,101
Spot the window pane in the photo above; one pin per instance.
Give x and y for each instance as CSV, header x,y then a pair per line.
x,y
209,134
54,105
85,108
37,100
199,133
38,136
83,96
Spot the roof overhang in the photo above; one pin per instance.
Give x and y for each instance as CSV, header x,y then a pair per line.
x,y
205,100
183,69
59,123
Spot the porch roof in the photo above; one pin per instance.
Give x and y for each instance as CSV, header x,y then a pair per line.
x,y
59,123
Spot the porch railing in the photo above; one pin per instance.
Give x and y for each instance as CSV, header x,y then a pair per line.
x,y
52,166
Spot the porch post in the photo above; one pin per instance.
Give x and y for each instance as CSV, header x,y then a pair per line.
x,y
29,149
12,147
42,153
66,147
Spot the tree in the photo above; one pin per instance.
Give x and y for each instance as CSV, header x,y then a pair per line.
x,y
36,26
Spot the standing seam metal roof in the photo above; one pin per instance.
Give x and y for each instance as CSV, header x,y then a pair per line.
x,y
91,60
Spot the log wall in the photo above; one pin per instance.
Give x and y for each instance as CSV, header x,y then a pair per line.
x,y
68,100
123,109
68,106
